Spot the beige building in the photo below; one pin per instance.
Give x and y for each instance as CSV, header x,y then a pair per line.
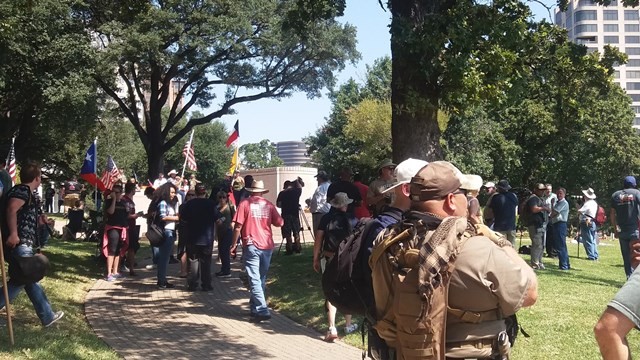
x,y
274,178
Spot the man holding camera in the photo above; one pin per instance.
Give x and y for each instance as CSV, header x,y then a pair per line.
x,y
289,201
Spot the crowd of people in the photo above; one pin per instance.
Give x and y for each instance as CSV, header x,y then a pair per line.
x,y
434,201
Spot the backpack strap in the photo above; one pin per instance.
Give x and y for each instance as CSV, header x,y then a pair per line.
x,y
381,244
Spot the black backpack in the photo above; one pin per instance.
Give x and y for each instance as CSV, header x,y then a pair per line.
x,y
344,280
338,229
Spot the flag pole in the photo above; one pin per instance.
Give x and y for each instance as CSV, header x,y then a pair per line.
x,y
185,158
95,171
5,289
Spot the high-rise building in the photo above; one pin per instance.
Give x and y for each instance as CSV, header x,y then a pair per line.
x,y
596,25
293,153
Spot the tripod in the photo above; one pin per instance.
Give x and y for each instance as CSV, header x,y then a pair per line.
x,y
302,219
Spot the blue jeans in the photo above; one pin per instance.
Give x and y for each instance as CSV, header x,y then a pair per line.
x,y
224,245
164,252
560,234
589,239
34,291
625,238
256,263
154,254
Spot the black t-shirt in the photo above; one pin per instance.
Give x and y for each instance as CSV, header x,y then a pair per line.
x,y
536,219
346,187
198,218
337,225
504,207
289,201
120,216
27,216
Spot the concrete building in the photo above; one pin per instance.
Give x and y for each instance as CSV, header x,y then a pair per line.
x,y
595,26
274,178
293,153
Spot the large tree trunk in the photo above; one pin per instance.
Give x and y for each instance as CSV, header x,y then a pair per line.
x,y
414,97
155,148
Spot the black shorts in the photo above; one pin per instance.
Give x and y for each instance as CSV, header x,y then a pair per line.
x,y
133,235
291,226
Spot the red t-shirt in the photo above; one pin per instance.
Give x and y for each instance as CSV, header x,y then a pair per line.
x,y
362,211
256,215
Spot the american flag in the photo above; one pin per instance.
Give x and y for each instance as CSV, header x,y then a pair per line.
x,y
11,163
190,156
110,174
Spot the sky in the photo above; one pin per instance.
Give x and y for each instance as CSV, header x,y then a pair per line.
x,y
296,117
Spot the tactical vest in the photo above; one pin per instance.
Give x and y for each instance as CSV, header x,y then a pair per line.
x,y
412,316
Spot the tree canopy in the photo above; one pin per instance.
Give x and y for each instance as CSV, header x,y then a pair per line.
x,y
259,155
239,50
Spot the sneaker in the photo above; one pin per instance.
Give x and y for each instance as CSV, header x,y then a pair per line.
x,y
57,316
207,288
151,266
166,285
220,274
111,278
351,328
259,318
125,268
332,334
118,276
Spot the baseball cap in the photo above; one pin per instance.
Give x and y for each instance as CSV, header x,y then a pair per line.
x,y
630,181
200,189
489,184
541,186
405,171
472,182
436,180
322,175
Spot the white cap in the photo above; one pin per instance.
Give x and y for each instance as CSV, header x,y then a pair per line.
x,y
472,182
405,171
489,184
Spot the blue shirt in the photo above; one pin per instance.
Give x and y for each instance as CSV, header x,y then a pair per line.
x,y
626,202
504,205
562,208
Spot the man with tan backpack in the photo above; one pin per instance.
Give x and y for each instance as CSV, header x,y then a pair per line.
x,y
442,287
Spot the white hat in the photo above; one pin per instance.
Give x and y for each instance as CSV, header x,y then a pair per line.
x,y
172,172
340,200
405,171
472,182
589,193
257,187
489,184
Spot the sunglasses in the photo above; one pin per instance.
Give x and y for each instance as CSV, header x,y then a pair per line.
x,y
461,191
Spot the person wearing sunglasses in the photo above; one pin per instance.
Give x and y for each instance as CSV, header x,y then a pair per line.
x,y
377,198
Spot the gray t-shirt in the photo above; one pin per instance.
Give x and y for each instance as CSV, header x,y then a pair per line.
x,y
627,204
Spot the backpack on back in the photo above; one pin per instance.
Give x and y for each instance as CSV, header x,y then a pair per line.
x,y
524,211
601,216
411,318
344,279
338,228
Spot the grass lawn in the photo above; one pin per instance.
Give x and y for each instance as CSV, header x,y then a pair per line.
x,y
560,323
71,275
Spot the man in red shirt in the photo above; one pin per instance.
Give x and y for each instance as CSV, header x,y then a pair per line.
x,y
253,219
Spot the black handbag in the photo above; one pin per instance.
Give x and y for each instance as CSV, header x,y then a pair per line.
x,y
155,234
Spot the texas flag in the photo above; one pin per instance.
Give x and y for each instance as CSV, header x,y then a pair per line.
x,y
234,135
88,171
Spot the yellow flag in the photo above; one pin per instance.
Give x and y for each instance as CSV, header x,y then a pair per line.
x,y
234,162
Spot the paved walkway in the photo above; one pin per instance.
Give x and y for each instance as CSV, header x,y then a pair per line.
x,y
140,321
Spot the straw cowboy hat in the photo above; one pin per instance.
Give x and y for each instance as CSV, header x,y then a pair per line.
x,y
340,200
589,193
257,187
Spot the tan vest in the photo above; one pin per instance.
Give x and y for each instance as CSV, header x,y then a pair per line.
x,y
415,328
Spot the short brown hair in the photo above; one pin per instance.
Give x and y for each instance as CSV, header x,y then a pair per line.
x,y
29,172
